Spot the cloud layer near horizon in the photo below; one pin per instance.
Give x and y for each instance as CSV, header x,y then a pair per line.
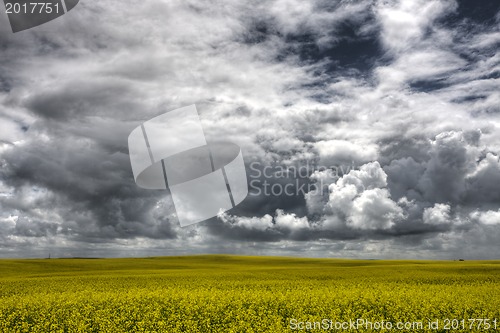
x,y
403,96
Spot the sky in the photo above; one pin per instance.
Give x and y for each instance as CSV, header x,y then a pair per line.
x,y
391,109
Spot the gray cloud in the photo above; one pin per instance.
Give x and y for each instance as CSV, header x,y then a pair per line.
x,y
406,92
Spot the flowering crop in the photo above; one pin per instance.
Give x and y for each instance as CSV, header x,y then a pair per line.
x,y
238,294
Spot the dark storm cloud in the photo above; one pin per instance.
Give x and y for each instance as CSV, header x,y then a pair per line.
x,y
88,187
83,98
455,167
404,93
433,177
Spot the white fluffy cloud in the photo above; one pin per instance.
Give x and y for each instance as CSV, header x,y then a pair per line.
x,y
374,209
263,223
280,221
404,23
437,215
341,152
290,221
487,218
362,198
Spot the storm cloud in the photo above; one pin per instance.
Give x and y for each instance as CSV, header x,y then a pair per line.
x,y
391,109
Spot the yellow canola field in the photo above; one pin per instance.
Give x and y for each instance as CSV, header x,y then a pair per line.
x,y
217,293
